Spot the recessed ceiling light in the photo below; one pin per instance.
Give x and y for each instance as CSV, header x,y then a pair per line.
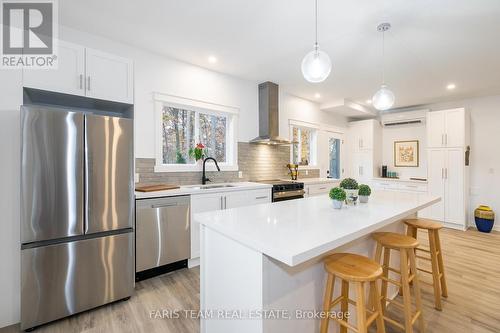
x,y
451,86
212,59
317,95
368,101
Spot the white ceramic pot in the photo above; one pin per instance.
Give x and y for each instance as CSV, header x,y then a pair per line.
x,y
337,204
352,196
363,198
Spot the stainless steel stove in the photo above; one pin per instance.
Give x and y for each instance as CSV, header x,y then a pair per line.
x,y
285,189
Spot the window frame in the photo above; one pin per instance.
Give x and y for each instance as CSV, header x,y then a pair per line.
x,y
313,143
231,114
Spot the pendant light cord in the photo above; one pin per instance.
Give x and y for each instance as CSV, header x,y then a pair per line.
x,y
316,31
383,57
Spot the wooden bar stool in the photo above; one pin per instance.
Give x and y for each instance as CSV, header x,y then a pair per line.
x,y
436,256
352,268
406,245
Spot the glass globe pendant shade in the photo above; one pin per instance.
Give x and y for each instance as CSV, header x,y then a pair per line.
x,y
383,99
316,66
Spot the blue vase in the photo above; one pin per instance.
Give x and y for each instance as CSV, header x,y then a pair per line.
x,y
485,218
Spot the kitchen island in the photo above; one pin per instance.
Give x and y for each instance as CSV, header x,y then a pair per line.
x,y
261,266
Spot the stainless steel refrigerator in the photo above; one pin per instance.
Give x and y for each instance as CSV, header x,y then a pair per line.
x,y
77,236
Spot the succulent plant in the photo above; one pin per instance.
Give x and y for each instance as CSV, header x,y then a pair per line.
x,y
337,193
349,184
365,190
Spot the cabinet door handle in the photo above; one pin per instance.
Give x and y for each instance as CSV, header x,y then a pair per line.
x,y
225,202
81,81
446,173
262,197
221,203
446,139
88,83
322,188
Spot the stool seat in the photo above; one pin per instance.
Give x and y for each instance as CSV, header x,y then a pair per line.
x,y
424,224
395,241
353,267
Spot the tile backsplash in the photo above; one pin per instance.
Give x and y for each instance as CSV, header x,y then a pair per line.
x,y
256,162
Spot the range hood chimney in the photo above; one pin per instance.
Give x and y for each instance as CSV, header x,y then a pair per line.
x,y
269,116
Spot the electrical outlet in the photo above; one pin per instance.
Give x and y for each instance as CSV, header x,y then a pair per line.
x,y
307,172
240,174
136,177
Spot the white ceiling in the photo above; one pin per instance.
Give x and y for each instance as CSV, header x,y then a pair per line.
x,y
431,43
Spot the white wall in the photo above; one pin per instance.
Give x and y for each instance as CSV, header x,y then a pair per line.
x,y
405,133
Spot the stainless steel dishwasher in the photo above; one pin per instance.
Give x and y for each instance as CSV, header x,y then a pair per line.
x,y
163,235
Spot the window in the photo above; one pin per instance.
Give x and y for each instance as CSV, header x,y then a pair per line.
x,y
182,127
303,145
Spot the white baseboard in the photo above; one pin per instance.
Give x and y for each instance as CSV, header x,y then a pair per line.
x,y
455,226
193,262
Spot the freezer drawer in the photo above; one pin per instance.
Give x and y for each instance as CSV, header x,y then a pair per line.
x,y
51,173
162,231
109,173
63,279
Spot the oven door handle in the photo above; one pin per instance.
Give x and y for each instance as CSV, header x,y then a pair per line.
x,y
286,194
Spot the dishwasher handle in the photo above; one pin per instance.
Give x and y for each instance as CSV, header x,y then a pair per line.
x,y
165,205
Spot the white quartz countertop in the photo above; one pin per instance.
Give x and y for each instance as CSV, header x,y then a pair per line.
x,y
203,189
312,181
295,231
405,180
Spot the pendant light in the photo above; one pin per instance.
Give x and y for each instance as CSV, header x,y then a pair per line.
x,y
316,65
384,97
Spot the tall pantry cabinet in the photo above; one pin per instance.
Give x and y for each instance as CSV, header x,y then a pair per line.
x,y
365,150
448,136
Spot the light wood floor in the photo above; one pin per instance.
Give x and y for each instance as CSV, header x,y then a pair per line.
x,y
472,261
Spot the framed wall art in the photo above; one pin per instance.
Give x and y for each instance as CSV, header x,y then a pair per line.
x,y
406,153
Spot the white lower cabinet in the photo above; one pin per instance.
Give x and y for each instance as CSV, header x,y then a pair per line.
x,y
319,189
201,203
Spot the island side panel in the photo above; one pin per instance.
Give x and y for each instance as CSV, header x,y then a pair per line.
x,y
301,288
230,281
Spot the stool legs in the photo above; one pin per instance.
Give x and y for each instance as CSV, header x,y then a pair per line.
x,y
385,268
444,287
435,270
330,285
375,295
416,288
344,305
361,307
405,285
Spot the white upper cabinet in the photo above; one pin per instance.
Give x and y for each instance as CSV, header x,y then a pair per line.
x,y
69,76
362,135
455,128
86,72
446,128
109,77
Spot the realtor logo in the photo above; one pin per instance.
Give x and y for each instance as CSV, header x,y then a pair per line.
x,y
29,33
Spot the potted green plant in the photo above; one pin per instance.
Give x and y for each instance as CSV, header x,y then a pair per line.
x,y
364,192
198,152
350,186
338,196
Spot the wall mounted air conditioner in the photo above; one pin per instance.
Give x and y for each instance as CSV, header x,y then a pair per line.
x,y
392,119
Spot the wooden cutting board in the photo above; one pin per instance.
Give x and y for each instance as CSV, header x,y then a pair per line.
x,y
156,187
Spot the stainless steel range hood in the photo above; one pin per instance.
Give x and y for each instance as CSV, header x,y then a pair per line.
x,y
269,116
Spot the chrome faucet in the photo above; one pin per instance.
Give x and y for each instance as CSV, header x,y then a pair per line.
x,y
204,179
